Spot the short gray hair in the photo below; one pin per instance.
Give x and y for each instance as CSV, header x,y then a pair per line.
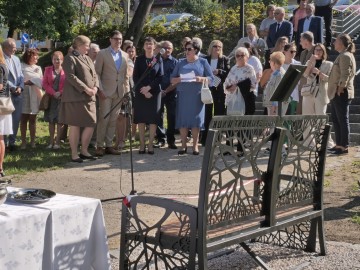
x,y
243,50
198,41
309,36
94,46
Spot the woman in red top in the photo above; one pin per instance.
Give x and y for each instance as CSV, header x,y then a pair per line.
x,y
53,83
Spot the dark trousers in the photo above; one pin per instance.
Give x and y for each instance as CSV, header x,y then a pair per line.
x,y
219,109
340,118
326,13
169,102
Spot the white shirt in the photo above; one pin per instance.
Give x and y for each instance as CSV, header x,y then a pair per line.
x,y
213,64
256,64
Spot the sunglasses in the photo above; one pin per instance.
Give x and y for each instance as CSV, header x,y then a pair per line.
x,y
293,51
216,46
240,55
189,49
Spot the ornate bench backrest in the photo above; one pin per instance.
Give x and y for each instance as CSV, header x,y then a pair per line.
x,y
231,181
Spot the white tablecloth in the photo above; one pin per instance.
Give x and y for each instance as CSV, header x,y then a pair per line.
x,y
67,232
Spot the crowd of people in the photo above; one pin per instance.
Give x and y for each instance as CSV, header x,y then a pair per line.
x,y
93,91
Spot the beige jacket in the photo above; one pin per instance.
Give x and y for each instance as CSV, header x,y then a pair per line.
x,y
80,73
322,94
342,74
112,80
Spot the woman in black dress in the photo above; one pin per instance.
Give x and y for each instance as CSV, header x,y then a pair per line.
x,y
147,93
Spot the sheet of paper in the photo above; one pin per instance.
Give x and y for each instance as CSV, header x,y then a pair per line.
x,y
188,77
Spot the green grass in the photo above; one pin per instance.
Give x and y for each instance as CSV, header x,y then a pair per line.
x,y
38,159
356,219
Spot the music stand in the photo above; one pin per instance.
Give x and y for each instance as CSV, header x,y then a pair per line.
x,y
287,85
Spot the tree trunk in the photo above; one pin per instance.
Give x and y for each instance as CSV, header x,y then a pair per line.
x,y
136,26
11,31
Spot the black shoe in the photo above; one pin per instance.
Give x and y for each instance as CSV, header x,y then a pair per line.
x,y
196,153
339,152
77,160
159,144
87,157
151,152
172,146
12,148
182,152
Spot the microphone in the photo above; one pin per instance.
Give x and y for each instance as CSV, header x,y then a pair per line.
x,y
156,58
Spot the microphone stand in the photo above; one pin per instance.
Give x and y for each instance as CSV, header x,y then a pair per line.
x,y
128,113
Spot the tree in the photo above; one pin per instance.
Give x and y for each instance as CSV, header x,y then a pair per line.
x,y
196,7
136,26
50,18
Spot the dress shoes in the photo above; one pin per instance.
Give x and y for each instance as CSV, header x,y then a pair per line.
x,y
87,157
339,152
77,160
159,144
172,146
112,151
99,151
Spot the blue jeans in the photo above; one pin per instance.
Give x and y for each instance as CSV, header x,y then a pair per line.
x,y
340,118
16,115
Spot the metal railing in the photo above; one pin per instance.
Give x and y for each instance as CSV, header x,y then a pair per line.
x,y
346,19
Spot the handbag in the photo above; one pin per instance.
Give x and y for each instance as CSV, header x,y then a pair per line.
x,y
236,103
206,96
309,88
6,106
44,102
217,81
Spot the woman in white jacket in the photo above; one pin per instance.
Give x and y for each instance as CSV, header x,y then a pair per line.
x,y
317,74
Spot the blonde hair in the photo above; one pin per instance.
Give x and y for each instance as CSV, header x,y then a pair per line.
x,y
216,42
278,58
253,26
79,41
2,58
243,50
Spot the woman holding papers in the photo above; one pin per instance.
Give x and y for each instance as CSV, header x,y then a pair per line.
x,y
189,74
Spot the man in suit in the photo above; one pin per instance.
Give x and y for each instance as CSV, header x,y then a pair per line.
x,y
111,66
311,23
168,99
16,84
323,8
281,28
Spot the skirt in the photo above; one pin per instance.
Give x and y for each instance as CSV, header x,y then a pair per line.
x,y
6,124
78,114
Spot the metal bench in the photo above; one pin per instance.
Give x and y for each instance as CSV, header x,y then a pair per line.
x,y
244,194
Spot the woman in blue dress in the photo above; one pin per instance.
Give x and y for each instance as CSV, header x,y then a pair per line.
x,y
189,75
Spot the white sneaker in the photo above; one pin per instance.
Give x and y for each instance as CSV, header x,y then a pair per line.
x,y
56,147
49,146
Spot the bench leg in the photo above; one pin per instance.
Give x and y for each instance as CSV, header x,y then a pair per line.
x,y
322,236
254,256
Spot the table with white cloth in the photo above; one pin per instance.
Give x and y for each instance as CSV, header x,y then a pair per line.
x,y
67,232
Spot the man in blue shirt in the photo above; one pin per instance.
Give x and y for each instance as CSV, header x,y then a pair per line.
x,y
112,68
168,99
16,84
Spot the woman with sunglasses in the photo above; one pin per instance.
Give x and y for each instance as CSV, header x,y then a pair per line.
x,y
190,110
341,91
220,66
241,77
290,51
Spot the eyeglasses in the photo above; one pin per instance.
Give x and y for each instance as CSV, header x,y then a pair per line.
x,y
277,13
189,49
318,50
216,46
167,48
117,39
240,55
